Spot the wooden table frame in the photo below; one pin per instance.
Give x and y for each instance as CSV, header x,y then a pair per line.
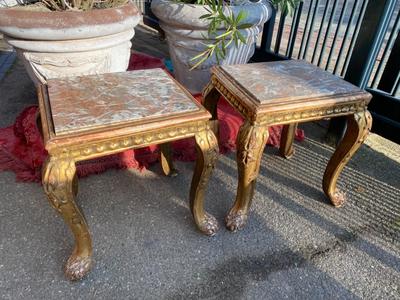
x,y
253,135
59,172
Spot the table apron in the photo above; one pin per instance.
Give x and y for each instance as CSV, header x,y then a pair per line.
x,y
95,149
311,114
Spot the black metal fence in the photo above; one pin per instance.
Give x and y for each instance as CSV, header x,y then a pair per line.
x,y
355,39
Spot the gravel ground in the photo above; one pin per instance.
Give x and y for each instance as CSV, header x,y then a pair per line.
x,y
146,246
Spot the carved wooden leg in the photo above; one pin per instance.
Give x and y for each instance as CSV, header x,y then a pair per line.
x,y
60,185
358,127
286,148
211,97
75,185
207,152
167,164
250,143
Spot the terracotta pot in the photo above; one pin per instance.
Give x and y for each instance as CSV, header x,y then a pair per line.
x,y
71,43
185,33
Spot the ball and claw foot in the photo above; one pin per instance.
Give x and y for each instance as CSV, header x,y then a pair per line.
x,y
235,221
77,267
338,198
209,226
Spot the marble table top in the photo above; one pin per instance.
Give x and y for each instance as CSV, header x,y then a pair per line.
x,y
88,102
286,81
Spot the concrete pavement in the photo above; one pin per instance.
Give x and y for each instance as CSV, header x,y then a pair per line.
x,y
146,246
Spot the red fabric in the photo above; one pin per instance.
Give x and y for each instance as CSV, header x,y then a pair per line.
x,y
140,61
22,150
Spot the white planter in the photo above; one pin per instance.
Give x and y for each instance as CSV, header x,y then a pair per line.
x,y
61,44
185,30
8,3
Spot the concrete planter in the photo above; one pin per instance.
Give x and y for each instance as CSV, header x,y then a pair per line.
x,y
71,43
185,30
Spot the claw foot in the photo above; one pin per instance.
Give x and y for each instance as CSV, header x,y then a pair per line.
x,y
235,221
338,198
209,225
77,267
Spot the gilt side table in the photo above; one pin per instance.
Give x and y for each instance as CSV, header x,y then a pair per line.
x,y
93,116
285,92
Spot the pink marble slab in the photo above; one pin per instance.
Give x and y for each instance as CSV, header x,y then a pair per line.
x,y
274,82
87,102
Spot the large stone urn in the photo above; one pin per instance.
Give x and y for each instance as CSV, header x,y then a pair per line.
x,y
71,43
185,33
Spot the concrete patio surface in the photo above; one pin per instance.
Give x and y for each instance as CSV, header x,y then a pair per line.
x,y
146,246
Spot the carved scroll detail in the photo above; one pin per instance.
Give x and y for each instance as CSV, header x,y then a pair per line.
x,y
251,141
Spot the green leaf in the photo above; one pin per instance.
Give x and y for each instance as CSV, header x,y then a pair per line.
x,y
245,26
206,16
223,48
241,16
241,37
199,62
198,56
225,34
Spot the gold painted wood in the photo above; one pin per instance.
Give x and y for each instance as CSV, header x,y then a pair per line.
x,y
289,112
269,103
60,186
167,164
286,148
224,87
211,96
207,154
95,145
250,142
358,127
59,172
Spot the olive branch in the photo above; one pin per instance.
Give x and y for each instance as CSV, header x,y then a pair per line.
x,y
233,24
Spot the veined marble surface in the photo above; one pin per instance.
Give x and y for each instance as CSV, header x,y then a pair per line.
x,y
83,103
279,81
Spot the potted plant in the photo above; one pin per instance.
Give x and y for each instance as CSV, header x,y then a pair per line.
x,y
58,38
202,33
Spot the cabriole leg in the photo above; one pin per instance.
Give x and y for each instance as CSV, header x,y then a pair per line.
x,y
167,164
207,153
60,186
358,127
286,148
250,143
211,96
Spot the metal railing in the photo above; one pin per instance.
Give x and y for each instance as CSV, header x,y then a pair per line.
x,y
354,39
140,5
324,33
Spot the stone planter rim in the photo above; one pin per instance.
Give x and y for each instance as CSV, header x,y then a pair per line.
x,y
171,10
22,23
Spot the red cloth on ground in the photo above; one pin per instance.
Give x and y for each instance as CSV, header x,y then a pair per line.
x,y
22,150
